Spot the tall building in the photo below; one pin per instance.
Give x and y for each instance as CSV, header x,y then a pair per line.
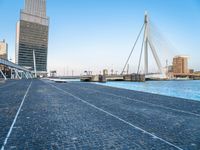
x,y
32,36
3,50
180,64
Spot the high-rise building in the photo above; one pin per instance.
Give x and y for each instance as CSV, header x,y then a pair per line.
x,y
3,50
180,64
32,36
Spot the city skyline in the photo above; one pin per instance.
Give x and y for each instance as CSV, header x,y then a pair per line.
x,y
96,35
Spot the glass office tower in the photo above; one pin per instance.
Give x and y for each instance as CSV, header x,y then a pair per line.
x,y
32,36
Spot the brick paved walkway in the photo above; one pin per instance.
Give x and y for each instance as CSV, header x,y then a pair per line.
x,y
86,116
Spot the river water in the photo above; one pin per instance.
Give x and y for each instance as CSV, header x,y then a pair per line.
x,y
189,89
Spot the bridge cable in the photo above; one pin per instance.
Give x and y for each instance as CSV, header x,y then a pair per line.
x,y
141,51
132,48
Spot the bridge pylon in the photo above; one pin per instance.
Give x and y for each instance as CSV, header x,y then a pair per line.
x,y
147,46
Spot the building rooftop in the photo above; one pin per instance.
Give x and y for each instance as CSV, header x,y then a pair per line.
x,y
183,56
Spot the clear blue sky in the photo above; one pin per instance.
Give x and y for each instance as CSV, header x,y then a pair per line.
x,y
97,34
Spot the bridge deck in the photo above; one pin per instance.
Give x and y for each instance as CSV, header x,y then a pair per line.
x,y
88,116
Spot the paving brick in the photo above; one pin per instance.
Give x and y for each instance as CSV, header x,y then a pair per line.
x,y
52,119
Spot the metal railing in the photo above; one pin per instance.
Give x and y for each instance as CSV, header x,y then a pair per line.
x,y
13,65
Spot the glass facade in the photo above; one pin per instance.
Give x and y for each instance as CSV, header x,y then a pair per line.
x,y
32,35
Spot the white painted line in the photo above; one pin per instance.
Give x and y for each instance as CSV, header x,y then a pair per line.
x,y
126,122
13,123
139,101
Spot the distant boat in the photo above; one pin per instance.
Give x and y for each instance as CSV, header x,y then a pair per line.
x,y
59,80
181,79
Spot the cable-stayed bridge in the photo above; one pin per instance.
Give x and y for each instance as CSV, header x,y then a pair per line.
x,y
16,71
152,42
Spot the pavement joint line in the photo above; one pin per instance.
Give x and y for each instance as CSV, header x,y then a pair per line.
x,y
116,117
1,87
178,110
13,123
